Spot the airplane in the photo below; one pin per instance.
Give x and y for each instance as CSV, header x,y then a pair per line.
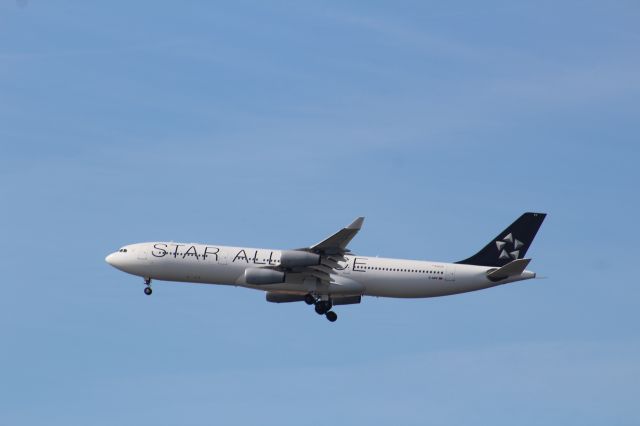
x,y
328,274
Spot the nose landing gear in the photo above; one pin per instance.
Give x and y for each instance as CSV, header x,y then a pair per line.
x,y
147,289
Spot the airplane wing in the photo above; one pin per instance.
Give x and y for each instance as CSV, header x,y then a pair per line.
x,y
320,262
332,250
337,243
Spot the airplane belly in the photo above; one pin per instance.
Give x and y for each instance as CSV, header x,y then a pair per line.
x,y
194,271
418,287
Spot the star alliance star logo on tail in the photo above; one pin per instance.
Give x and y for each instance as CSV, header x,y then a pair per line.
x,y
503,247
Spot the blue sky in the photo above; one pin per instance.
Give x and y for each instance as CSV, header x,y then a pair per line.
x,y
276,123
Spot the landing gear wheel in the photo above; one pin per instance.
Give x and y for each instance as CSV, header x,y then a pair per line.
x,y
331,316
309,299
320,308
148,291
323,306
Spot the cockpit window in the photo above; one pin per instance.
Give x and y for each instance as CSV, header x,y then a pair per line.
x,y
122,250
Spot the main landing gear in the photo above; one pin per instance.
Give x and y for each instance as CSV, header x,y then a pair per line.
x,y
147,289
322,307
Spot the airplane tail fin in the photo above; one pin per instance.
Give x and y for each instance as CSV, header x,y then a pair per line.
x,y
510,244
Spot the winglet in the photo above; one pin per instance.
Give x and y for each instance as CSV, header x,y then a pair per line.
x,y
356,224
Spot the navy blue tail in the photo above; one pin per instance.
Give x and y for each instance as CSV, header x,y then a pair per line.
x,y
510,244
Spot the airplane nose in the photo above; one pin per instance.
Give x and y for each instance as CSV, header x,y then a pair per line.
x,y
110,259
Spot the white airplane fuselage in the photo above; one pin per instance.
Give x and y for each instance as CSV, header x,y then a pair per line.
x,y
356,275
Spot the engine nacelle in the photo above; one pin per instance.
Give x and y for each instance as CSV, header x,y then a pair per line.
x,y
293,258
261,276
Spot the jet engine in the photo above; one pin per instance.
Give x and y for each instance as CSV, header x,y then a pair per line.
x,y
260,276
293,258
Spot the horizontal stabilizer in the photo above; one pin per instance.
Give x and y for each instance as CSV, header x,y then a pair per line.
x,y
511,269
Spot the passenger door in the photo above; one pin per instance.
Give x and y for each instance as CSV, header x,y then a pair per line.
x,y
141,253
450,272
